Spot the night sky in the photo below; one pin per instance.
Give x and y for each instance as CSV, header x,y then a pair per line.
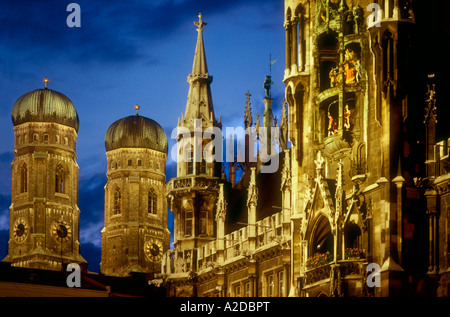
x,y
127,53
141,52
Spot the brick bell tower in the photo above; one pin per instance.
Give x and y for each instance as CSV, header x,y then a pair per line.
x,y
44,213
135,234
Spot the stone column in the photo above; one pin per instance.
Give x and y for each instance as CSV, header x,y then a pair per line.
x,y
251,204
287,27
294,44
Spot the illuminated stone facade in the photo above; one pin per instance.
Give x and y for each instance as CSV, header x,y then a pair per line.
x,y
135,234
44,214
347,215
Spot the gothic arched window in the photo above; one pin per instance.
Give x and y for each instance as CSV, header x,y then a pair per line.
x,y
323,238
59,179
117,204
23,174
152,199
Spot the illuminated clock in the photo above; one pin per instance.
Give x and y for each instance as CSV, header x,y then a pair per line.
x,y
61,231
153,249
21,229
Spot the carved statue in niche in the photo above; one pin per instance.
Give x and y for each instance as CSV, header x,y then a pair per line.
x,y
332,125
347,115
352,70
352,67
335,78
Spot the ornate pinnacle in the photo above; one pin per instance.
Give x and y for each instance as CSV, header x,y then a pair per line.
x,y
248,118
430,109
200,22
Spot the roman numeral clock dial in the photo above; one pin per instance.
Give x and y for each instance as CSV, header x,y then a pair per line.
x,y
153,249
61,231
21,229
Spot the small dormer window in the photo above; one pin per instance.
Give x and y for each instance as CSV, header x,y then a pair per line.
x,y
35,137
45,137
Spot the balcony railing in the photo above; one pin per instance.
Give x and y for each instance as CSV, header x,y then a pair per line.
x,y
346,267
193,182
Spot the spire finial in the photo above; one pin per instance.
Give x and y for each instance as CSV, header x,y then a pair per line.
x,y
137,107
45,82
200,22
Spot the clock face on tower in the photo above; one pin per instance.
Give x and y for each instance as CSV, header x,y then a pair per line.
x,y
61,231
153,249
21,229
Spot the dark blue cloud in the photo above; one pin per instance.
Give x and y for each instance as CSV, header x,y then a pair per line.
x,y
91,198
111,31
100,67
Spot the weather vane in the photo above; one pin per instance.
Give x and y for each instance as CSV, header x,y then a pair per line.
x,y
271,62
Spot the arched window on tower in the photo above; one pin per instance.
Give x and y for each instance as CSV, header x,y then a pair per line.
x,y
59,179
190,162
117,204
152,200
23,174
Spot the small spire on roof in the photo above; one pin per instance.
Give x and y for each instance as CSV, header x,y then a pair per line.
x,y
137,107
45,82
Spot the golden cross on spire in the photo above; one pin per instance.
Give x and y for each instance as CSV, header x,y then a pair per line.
x,y
200,22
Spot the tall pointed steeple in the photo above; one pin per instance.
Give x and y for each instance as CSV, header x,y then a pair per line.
x,y
199,103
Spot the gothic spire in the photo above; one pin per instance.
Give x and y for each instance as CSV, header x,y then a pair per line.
x,y
199,104
200,67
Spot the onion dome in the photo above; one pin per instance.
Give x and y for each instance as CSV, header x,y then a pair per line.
x,y
45,105
136,132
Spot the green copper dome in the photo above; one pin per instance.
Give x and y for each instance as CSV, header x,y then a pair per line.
x,y
45,105
136,132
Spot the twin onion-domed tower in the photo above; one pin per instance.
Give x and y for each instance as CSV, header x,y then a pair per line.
x,y
44,213
135,234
